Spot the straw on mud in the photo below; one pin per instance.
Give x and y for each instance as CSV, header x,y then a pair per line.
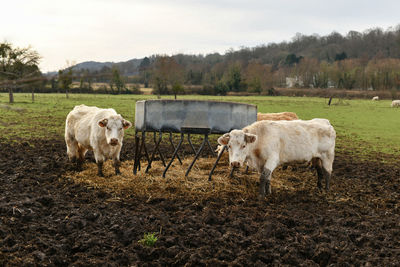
x,y
196,186
298,183
175,185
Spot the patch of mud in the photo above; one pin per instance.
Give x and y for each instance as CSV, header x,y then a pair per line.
x,y
51,215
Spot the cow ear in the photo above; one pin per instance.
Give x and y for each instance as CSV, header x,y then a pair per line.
x,y
250,138
103,122
224,140
126,124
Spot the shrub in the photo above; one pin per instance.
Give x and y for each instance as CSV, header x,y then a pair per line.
x,y
136,89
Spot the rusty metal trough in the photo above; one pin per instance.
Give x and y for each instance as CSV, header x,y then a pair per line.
x,y
186,117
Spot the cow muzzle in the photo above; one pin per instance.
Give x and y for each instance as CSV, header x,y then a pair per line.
x,y
235,164
114,141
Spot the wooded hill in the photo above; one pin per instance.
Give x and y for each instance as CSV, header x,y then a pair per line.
x,y
361,60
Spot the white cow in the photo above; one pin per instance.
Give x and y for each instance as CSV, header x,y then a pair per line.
x,y
97,129
375,98
264,145
395,103
289,116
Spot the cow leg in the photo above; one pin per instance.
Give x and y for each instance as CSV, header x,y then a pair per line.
x,y
320,177
72,148
81,153
116,161
327,163
265,183
266,172
79,164
316,162
81,157
232,172
100,169
117,164
99,160
327,178
268,183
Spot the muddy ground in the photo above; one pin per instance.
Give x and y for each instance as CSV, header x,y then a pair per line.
x,y
47,218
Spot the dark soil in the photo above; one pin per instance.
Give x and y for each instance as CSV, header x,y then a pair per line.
x,y
46,219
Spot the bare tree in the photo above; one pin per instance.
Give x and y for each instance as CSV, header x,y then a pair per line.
x,y
16,66
258,77
167,72
65,80
117,80
144,70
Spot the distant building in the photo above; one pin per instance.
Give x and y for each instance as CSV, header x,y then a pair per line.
x,y
331,84
294,82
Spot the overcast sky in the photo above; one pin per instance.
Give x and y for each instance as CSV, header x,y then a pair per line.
x,y
119,30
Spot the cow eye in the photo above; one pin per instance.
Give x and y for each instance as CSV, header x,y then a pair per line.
x,y
120,129
243,146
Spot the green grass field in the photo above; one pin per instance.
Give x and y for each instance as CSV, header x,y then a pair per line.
x,y
362,125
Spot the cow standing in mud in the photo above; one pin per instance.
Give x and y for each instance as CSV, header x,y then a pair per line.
x,y
93,128
264,145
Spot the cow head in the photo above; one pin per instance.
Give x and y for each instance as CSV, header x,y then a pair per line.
x,y
114,128
238,143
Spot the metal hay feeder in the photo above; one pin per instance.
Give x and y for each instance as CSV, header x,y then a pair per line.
x,y
186,117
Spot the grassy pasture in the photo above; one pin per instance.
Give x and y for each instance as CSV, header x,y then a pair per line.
x,y
362,126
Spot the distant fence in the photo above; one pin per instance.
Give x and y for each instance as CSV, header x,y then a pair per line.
x,y
71,90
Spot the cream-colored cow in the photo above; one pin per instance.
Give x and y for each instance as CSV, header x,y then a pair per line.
x,y
264,145
97,129
395,104
288,116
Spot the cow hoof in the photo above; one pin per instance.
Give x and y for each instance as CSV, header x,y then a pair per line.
x,y
319,185
100,174
79,167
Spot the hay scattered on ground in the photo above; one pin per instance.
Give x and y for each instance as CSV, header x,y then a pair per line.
x,y
152,185
297,182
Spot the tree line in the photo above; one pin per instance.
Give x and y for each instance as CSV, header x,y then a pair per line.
x,y
368,60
